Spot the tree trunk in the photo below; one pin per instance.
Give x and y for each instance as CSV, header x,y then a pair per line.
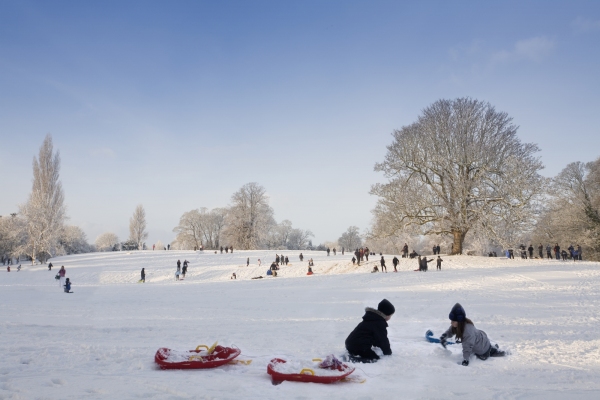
x,y
459,238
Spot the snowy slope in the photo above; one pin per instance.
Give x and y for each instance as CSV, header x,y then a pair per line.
x,y
99,342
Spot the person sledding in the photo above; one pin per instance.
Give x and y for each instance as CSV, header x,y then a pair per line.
x,y
68,286
474,341
371,332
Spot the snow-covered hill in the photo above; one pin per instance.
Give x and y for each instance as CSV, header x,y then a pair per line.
x,y
99,342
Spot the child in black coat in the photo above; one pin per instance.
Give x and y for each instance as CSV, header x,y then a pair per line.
x,y
372,331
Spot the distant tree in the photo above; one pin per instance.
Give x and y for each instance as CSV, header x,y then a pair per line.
x,y
12,235
299,239
45,212
106,242
73,241
137,227
189,231
460,165
350,239
572,213
250,217
200,228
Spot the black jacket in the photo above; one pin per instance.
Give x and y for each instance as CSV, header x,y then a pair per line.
x,y
372,331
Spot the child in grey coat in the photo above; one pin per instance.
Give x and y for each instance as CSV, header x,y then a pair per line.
x,y
474,341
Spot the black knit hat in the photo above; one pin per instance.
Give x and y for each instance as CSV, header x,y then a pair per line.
x,y
385,307
458,313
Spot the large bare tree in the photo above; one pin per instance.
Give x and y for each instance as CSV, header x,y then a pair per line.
x,y
460,164
250,217
45,212
137,227
572,213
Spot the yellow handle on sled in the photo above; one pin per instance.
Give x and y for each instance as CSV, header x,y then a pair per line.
x,y
243,362
317,359
208,349
307,370
192,358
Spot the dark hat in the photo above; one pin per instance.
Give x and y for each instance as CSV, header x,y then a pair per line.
x,y
458,313
385,307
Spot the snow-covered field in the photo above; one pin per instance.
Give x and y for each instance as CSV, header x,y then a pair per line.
x,y
100,341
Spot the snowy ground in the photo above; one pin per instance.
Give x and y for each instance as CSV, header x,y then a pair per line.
x,y
99,342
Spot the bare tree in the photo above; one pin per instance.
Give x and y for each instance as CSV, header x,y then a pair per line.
x,y
351,238
200,228
45,212
461,164
250,217
572,214
12,235
73,240
299,239
137,227
189,231
106,242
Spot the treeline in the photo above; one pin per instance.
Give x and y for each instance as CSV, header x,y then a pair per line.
x,y
247,223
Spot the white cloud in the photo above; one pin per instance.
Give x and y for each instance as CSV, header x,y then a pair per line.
x,y
583,25
103,152
532,49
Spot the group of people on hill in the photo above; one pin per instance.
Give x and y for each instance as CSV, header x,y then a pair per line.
x,y
552,252
334,251
360,255
227,249
180,272
372,332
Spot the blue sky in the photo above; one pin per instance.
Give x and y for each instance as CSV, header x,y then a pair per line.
x,y
176,105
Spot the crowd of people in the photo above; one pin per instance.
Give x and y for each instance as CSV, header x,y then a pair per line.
x,y
552,252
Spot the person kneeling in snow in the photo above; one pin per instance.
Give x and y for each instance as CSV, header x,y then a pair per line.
x,y
68,286
372,331
474,341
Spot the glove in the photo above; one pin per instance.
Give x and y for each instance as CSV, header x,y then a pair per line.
x,y
465,363
443,340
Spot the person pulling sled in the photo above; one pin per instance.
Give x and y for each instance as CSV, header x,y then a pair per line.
x,y
474,341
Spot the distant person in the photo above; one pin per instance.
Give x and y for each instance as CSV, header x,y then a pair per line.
x,y
233,276
143,276
168,247
8,268
541,251
382,262
395,262
579,251
221,249
231,249
177,273
530,249
549,251
353,260
50,267
328,252
61,273
334,251
259,262
67,286
405,251
248,261
301,257
434,249
310,271
438,263
287,260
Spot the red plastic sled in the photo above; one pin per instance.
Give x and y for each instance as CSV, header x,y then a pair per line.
x,y
307,375
196,359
